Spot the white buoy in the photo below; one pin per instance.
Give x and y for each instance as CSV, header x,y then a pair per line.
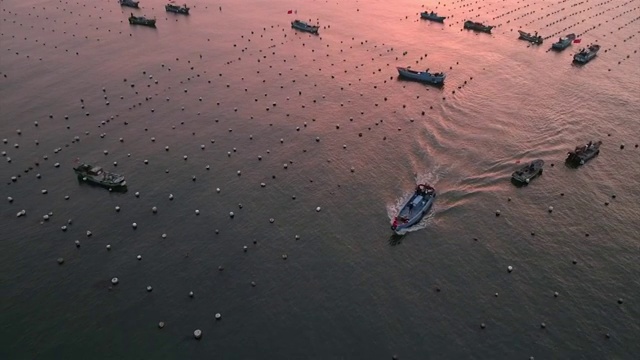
x,y
108,247
218,316
217,190
164,236
161,324
510,268
89,233
117,208
497,212
114,281
149,288
77,242
550,208
197,212
154,210
197,334
170,196
137,194
318,209
231,214
245,248
134,225
63,227
139,257
190,293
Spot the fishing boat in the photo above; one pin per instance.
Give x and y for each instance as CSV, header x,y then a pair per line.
x,y
586,55
422,76
563,42
303,26
414,209
98,176
534,39
476,26
129,3
528,172
432,16
184,9
141,20
581,154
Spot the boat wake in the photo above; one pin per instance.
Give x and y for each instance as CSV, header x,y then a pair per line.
x,y
430,178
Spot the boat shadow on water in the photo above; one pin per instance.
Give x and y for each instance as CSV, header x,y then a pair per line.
x,y
396,239
116,189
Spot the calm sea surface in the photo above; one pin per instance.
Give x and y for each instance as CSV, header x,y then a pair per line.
x,y
230,94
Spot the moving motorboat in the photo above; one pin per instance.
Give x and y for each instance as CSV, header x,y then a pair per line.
x,y
587,54
525,174
476,26
432,16
303,26
532,38
415,208
436,78
581,154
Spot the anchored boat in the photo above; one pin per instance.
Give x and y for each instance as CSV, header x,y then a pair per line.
x,y
141,20
586,55
184,9
528,172
422,76
301,25
415,208
534,39
96,175
432,16
476,26
581,154
564,42
129,3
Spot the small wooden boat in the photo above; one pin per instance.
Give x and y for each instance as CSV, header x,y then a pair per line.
x,y
141,20
422,76
586,55
97,176
532,38
432,16
415,208
303,26
129,3
581,154
476,26
528,172
184,9
563,42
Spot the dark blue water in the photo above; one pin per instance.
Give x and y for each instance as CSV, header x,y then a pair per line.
x,y
231,84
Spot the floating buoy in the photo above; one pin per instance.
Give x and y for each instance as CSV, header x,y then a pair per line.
x,y
114,281
117,208
497,212
550,208
318,209
555,294
108,247
190,293
134,225
149,288
60,261
218,316
154,210
510,268
197,334
197,212
139,257
231,214
161,324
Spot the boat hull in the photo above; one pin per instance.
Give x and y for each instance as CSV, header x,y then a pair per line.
x,y
534,39
582,154
563,42
101,178
431,17
302,26
421,76
469,25
177,9
413,211
528,172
